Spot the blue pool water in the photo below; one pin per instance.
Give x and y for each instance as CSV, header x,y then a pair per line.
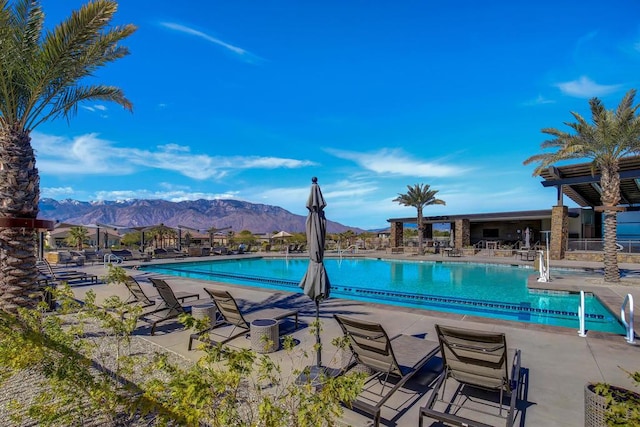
x,y
487,290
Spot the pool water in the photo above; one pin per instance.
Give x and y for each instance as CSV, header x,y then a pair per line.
x,y
486,290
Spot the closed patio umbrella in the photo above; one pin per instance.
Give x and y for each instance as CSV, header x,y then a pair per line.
x,y
315,282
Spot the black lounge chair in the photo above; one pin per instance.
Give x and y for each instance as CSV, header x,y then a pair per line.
x,y
478,360
400,357
230,314
169,310
128,255
137,295
50,275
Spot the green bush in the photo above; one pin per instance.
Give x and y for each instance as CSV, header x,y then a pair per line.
x,y
83,357
623,406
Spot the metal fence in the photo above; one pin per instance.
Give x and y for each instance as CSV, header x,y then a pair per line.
x,y
626,246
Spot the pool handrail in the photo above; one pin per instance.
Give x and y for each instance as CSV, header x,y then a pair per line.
x,y
630,338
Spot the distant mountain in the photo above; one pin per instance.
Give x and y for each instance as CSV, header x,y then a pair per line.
x,y
198,214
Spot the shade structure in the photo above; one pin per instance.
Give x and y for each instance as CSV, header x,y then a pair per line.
x,y
315,282
281,235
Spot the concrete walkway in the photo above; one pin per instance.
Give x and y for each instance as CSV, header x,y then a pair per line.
x,y
558,362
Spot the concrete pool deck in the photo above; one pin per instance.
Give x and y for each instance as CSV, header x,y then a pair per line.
x,y
558,362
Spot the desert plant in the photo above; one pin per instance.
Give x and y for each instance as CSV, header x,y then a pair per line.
x,y
623,406
83,357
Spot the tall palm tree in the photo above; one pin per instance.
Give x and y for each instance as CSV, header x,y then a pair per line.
x,y
41,74
77,236
611,136
419,196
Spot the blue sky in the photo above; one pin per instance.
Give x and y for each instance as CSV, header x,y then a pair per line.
x,y
249,100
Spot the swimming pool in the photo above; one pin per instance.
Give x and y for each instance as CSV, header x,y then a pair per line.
x,y
486,290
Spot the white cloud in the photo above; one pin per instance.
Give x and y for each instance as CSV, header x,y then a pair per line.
x,y
396,162
584,87
90,155
540,100
170,195
242,53
56,192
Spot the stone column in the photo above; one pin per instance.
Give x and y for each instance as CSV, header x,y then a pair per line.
x,y
397,234
462,233
559,232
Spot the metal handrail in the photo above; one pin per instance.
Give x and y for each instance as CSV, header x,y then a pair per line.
x,y
581,313
630,338
111,259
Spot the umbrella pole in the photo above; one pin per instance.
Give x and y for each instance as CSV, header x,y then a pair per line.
x,y
318,345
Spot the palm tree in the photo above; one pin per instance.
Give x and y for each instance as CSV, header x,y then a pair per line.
x,y
41,75
419,196
611,136
77,236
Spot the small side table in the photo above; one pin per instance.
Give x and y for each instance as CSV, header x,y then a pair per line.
x,y
205,310
265,335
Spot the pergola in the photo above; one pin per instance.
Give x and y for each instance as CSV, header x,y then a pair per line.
x,y
581,183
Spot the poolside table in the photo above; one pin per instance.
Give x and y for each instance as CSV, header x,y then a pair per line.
x,y
265,335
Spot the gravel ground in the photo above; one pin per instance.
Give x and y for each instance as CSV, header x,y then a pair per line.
x,y
25,385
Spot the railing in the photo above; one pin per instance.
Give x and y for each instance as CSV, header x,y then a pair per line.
x,y
628,325
626,246
581,313
111,259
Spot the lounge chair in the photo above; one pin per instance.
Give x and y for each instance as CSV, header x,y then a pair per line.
x,y
479,360
169,310
400,357
128,255
51,275
220,250
137,295
175,253
230,314
91,256
161,253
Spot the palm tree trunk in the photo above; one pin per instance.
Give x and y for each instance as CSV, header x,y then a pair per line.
x,y
610,184
611,270
19,193
420,231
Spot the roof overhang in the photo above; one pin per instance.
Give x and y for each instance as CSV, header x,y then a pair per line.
x,y
580,182
488,217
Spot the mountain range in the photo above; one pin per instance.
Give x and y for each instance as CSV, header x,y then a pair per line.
x,y
198,214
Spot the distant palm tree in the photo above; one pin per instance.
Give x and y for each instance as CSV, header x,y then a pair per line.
x,y
77,236
419,196
612,136
160,233
40,79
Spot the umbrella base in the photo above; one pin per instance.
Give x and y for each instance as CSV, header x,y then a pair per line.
x,y
315,375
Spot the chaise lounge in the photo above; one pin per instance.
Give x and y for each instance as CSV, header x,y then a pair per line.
x,y
478,361
230,314
400,357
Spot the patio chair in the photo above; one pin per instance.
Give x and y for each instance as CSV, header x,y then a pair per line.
x,y
400,357
170,309
230,314
478,360
137,295
50,275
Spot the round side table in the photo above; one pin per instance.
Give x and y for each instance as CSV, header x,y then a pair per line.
x,y
265,335
205,310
